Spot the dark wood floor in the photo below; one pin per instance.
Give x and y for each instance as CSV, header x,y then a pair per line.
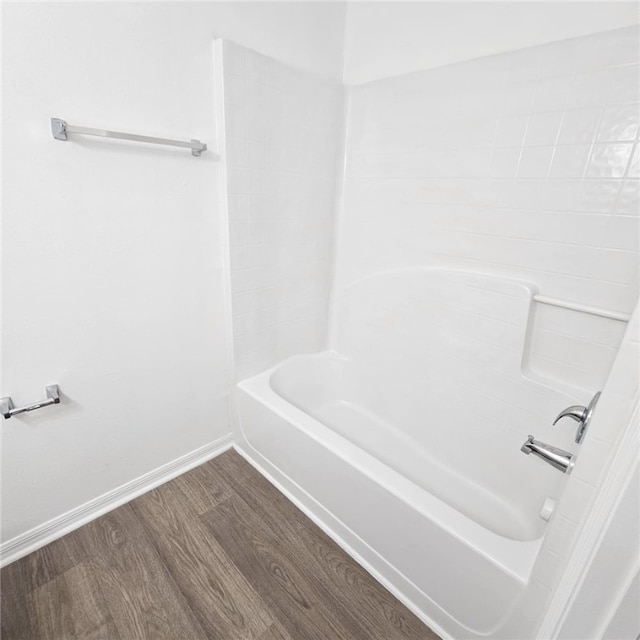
x,y
217,553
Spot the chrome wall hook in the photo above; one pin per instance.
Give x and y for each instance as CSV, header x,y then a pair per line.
x,y
8,410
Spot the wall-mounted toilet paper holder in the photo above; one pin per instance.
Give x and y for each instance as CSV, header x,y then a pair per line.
x,y
8,410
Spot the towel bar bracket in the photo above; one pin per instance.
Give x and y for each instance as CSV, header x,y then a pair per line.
x,y
59,129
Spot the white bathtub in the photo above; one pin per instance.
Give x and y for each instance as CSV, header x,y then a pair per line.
x,y
409,456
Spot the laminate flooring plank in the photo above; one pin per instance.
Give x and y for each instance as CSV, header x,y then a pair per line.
x,y
74,546
37,568
275,632
226,605
140,594
17,621
72,606
303,606
21,577
202,490
374,607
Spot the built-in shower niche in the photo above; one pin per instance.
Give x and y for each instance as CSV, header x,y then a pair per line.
x,y
572,349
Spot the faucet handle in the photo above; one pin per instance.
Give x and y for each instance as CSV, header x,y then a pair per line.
x,y
582,415
577,412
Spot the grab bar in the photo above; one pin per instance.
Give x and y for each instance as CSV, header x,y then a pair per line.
x,y
8,410
574,306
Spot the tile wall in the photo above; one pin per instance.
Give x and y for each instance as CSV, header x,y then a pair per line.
x,y
284,140
523,164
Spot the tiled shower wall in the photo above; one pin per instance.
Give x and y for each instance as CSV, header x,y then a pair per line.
x,y
284,139
523,164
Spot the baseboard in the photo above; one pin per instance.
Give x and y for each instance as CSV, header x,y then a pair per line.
x,y
23,544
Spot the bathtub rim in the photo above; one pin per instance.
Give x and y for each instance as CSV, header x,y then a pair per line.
x,y
515,557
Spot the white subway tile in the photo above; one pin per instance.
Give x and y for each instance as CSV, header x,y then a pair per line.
x,y
609,160
633,170
238,207
237,181
242,324
560,534
543,128
576,500
618,266
241,256
570,161
628,200
623,84
241,280
592,459
535,162
579,125
237,151
511,131
241,303
623,232
551,94
619,123
548,567
238,233
519,98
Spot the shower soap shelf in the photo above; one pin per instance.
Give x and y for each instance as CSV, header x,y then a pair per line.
x,y
574,306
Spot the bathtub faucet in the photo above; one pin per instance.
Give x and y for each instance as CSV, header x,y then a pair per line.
x,y
558,458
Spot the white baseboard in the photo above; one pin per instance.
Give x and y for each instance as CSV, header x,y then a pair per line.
x,y
24,543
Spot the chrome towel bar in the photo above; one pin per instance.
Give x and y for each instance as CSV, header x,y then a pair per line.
x,y
61,130
8,410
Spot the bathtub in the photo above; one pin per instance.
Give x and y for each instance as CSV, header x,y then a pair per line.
x,y
399,443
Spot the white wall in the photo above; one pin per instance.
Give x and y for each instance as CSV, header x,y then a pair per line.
x,y
284,137
113,280
389,38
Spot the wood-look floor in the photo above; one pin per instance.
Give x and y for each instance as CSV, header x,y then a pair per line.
x,y
217,553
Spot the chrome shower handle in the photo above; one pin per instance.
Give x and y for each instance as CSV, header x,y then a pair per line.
x,y
577,412
582,415
8,410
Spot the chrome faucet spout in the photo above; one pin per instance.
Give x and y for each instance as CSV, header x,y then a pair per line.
x,y
558,458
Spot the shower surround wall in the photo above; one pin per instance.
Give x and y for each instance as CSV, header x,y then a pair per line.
x,y
523,164
283,136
